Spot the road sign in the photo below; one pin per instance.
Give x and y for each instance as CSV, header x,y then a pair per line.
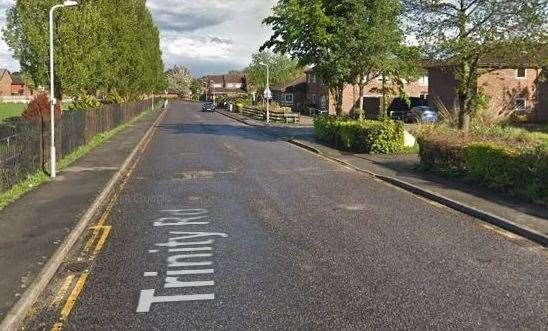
x,y
267,94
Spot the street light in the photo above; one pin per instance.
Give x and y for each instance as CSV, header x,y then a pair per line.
x,y
53,101
212,86
267,93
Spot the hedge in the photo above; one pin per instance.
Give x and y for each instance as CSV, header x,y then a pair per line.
x,y
521,172
382,137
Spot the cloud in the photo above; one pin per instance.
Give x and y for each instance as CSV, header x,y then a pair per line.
x,y
207,36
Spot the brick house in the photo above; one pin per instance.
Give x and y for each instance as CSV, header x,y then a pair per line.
x,y
229,85
521,89
292,94
13,85
318,95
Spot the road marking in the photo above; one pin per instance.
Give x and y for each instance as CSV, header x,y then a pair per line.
x,y
101,242
184,249
65,312
62,291
147,298
173,282
190,272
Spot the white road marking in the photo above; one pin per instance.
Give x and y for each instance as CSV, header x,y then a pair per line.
x,y
190,272
190,249
173,282
147,298
150,274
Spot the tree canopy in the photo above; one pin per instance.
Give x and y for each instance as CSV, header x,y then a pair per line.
x,y
100,46
466,33
180,80
282,69
348,41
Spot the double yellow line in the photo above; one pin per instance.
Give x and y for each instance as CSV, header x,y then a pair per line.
x,y
100,228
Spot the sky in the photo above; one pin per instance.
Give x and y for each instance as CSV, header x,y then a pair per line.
x,y
207,36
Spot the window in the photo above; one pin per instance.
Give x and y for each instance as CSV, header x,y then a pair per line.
x,y
313,98
521,104
322,102
314,79
424,96
288,98
423,80
380,78
521,73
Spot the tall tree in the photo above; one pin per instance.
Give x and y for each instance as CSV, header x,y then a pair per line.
x,y
100,46
373,40
306,30
282,69
180,79
465,32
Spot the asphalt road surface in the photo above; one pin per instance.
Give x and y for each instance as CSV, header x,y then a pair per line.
x,y
223,226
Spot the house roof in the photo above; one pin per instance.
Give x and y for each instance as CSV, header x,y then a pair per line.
x,y
529,60
235,78
3,72
291,85
17,80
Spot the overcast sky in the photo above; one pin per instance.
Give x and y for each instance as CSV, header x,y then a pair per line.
x,y
207,36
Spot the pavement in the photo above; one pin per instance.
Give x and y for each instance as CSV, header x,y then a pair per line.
x,y
223,225
36,225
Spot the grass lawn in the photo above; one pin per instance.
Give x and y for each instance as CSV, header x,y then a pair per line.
x,y
8,110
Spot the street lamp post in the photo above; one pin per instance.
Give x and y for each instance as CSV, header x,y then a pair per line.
x,y
267,92
53,101
212,86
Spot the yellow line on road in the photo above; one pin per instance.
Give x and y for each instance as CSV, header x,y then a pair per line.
x,y
65,312
62,291
101,242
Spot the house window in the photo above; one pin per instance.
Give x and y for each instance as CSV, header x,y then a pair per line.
x,y
381,77
313,98
423,80
322,102
314,79
521,104
424,96
288,98
521,73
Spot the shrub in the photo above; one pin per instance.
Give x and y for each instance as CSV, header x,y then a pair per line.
x,y
382,137
39,108
520,171
85,101
113,97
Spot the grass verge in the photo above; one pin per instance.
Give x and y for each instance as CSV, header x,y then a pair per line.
x,y
41,177
8,110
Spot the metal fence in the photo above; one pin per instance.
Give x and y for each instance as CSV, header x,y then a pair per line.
x,y
26,151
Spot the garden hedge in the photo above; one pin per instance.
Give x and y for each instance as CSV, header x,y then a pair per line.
x,y
382,137
521,172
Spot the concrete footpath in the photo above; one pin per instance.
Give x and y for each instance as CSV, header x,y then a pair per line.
x,y
526,219
33,227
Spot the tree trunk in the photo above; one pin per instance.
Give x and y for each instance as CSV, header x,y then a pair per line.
x,y
383,110
361,87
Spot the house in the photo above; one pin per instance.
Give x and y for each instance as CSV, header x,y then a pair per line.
x,y
318,95
291,94
228,85
11,84
520,88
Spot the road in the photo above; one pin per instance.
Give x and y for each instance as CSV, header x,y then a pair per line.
x,y
223,226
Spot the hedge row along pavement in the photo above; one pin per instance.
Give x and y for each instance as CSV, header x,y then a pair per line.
x,y
380,137
518,171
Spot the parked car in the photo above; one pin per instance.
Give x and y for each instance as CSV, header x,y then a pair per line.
x,y
421,114
208,106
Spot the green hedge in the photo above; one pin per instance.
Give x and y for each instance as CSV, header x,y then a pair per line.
x,y
521,172
382,137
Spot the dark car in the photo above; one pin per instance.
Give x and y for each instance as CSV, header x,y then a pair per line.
x,y
421,114
208,106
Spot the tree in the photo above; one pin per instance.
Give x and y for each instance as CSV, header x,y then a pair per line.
x,y
373,40
180,79
196,88
306,30
464,33
282,69
100,46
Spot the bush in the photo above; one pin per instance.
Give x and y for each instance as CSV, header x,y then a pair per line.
x,y
85,101
39,108
519,171
382,137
